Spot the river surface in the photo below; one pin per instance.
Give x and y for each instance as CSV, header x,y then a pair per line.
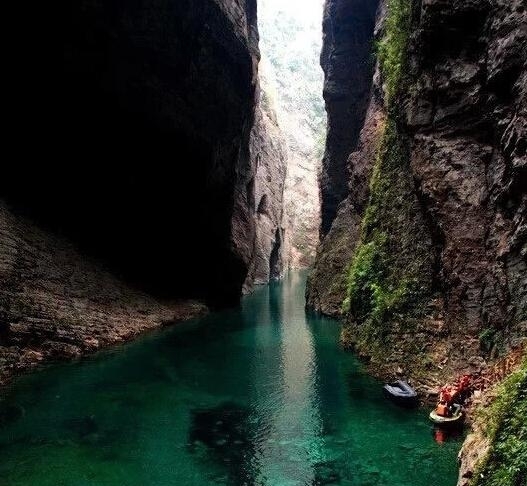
x,y
260,395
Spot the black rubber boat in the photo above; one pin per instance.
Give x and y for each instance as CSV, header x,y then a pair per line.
x,y
401,393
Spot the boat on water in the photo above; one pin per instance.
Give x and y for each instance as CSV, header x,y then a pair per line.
x,y
455,418
401,393
449,410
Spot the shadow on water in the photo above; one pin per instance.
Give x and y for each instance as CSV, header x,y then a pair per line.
x,y
225,432
9,414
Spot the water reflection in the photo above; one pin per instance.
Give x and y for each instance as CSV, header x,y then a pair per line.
x,y
257,396
288,447
443,434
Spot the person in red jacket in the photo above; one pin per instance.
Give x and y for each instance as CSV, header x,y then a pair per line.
x,y
442,409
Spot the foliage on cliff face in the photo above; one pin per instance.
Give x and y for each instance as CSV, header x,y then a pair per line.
x,y
390,275
391,49
506,463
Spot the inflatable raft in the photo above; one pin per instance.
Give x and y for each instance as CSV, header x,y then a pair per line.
x,y
401,393
455,419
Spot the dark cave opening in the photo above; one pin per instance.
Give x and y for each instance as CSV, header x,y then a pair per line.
x,y
275,263
111,146
156,220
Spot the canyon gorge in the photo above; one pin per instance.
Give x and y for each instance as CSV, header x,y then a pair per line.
x,y
163,161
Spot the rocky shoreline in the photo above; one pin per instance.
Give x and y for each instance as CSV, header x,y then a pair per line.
x,y
58,304
17,360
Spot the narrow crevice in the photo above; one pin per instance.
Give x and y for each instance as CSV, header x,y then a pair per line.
x,y
275,264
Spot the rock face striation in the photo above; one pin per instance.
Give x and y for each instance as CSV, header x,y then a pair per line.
x,y
135,140
57,303
461,120
292,78
466,113
425,213
266,184
348,67
352,105
327,282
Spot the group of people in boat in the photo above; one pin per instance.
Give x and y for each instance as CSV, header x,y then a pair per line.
x,y
451,398
449,409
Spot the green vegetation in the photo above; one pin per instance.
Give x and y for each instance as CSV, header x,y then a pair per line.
x,y
366,270
391,49
320,145
506,420
390,274
487,338
389,278
492,342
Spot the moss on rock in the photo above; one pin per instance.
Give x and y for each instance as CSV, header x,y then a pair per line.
x,y
391,48
506,428
390,276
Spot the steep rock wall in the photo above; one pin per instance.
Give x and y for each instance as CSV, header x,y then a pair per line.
x,y
459,126
348,66
266,190
132,142
144,117
327,282
292,79
453,125
467,116
355,120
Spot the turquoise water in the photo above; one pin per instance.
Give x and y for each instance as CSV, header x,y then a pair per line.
x,y
261,395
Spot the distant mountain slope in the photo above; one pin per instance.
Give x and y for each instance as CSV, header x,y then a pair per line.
x,y
290,42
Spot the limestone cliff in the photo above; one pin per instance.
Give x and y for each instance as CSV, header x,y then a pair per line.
x,y
134,144
426,256
457,191
267,184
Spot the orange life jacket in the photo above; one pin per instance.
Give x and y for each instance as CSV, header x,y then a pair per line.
x,y
442,410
